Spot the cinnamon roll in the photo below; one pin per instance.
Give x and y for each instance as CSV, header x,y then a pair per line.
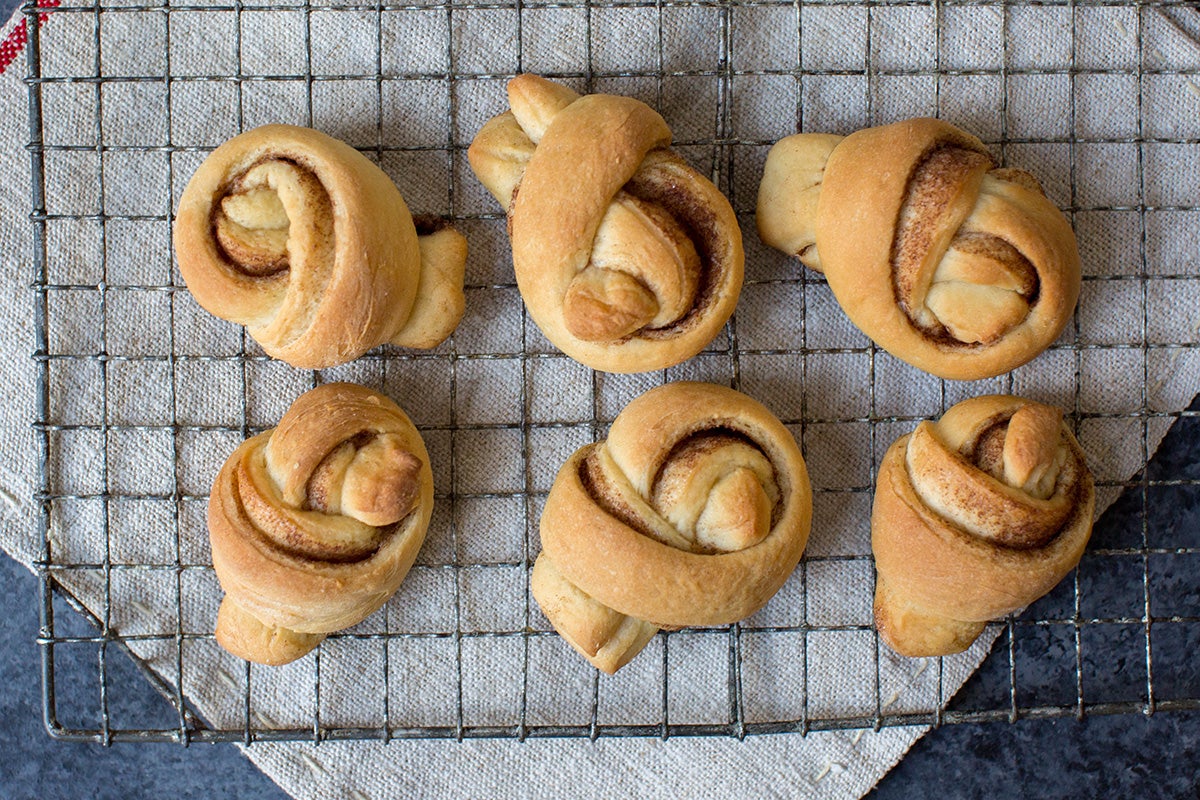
x,y
960,268
627,259
975,516
693,512
307,243
315,523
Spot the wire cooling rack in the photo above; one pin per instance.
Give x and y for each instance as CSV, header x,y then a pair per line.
x,y
1116,637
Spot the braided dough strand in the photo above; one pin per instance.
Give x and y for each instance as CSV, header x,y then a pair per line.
x,y
315,523
694,511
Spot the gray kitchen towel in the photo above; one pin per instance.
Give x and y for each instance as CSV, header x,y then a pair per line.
x,y
1100,102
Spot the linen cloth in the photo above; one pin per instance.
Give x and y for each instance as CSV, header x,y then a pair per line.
x,y
500,409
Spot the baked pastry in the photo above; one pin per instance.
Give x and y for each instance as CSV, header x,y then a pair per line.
x,y
693,512
315,523
303,240
627,258
947,262
975,516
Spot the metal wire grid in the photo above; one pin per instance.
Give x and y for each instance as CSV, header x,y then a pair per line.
x,y
1062,616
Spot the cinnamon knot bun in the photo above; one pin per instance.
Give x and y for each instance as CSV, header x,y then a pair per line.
x,y
975,516
303,240
694,511
315,523
627,258
959,268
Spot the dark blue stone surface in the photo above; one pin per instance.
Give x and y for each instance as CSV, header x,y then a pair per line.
x,y
32,765
1111,757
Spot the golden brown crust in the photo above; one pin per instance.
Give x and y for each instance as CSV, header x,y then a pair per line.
x,y
965,528
245,636
627,259
315,523
603,636
307,243
960,269
693,512
787,196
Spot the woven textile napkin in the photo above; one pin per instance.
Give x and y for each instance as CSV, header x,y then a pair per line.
x,y
856,67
